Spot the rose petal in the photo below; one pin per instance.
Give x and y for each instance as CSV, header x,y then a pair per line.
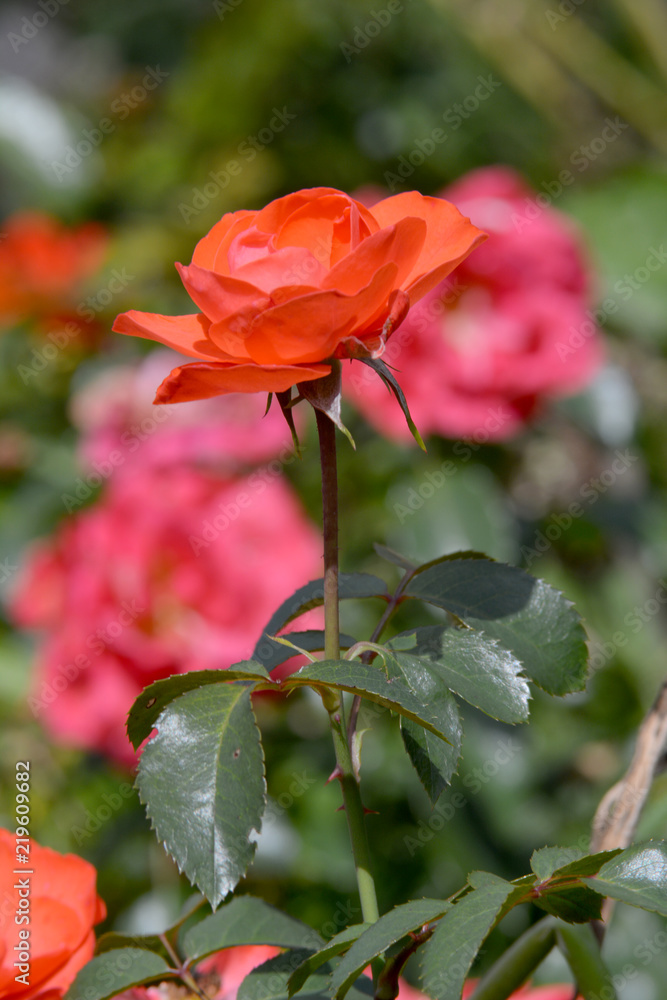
x,y
201,381
272,217
211,251
285,267
329,228
219,295
186,334
310,328
450,237
400,243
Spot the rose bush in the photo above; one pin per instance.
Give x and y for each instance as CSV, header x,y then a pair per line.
x,y
63,907
149,582
481,351
312,276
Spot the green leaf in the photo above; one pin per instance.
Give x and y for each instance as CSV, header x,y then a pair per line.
x,y
114,971
369,681
156,697
434,760
530,619
269,981
567,861
274,653
246,920
589,864
388,930
387,377
471,665
202,780
113,941
340,943
449,954
546,860
637,876
577,904
311,595
581,949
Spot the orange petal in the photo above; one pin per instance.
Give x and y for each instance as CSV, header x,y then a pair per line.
x,y
202,381
449,239
292,265
271,218
310,328
185,334
400,243
219,295
329,228
211,250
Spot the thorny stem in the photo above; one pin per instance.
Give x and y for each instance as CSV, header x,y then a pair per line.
x,y
333,701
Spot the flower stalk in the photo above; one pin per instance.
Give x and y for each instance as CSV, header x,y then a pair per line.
x,y
333,701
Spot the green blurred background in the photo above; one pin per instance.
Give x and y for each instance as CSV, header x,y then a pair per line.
x,y
359,86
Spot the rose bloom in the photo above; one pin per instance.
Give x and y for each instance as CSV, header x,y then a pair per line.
x,y
42,265
121,427
313,276
173,569
481,351
63,909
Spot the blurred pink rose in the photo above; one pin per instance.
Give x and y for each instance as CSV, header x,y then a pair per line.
x,y
149,582
121,426
508,329
219,976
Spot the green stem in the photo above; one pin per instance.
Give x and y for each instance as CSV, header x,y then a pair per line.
x,y
354,809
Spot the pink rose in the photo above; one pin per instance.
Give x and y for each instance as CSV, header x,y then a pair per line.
x,y
121,427
173,569
507,330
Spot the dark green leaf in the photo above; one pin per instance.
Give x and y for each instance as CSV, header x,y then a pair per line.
x,y
114,971
589,864
154,698
269,981
637,876
581,949
451,951
274,653
338,944
113,941
529,618
388,930
370,681
311,595
202,780
471,665
434,760
387,377
546,860
246,920
577,904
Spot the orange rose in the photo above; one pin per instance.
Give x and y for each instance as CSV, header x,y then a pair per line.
x,y
313,276
57,893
